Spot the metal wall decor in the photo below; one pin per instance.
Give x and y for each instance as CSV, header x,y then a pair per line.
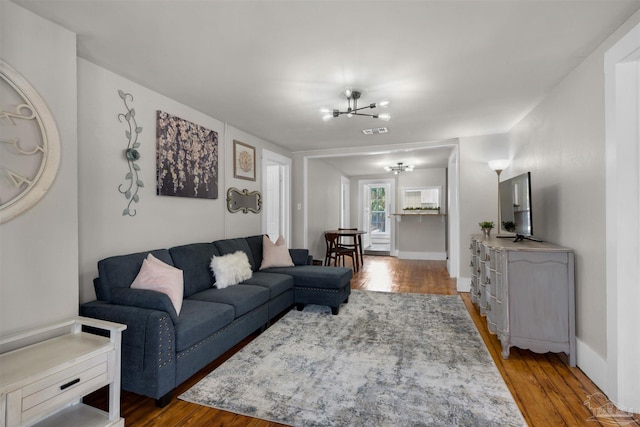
x,y
243,200
29,145
131,154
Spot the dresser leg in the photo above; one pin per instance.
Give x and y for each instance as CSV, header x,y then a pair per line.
x,y
505,349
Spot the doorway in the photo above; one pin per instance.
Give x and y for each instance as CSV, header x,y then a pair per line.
x,y
377,200
622,132
276,190
345,211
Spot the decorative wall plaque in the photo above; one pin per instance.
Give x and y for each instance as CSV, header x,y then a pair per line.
x,y
29,145
243,200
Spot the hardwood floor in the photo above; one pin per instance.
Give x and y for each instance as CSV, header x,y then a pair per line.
x,y
546,389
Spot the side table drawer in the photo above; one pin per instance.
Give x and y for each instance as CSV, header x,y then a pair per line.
x,y
40,397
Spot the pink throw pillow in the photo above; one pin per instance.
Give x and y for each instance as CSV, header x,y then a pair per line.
x,y
157,276
275,254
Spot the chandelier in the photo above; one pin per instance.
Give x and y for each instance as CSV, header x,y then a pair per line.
x,y
400,167
353,109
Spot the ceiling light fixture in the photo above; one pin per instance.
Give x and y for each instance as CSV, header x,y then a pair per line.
x,y
400,167
353,109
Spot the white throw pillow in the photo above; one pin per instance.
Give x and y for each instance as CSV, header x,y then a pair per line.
x,y
157,276
275,254
230,269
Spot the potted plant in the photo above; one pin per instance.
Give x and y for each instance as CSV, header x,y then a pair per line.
x,y
509,226
486,227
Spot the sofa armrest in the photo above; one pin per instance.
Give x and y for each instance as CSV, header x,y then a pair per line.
x,y
148,346
299,256
144,298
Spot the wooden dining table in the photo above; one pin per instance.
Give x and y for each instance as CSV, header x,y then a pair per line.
x,y
357,241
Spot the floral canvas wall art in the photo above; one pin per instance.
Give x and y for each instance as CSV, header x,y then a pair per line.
x,y
187,158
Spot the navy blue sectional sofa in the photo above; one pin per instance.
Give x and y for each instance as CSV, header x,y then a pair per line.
x,y
160,349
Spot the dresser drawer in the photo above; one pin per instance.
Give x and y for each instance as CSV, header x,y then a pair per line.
x,y
38,398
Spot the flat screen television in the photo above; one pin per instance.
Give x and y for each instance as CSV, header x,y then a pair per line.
x,y
515,206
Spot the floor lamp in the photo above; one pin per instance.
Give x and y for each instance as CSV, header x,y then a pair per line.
x,y
498,166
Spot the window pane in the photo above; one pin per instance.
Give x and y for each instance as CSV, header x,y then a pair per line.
x,y
378,222
378,210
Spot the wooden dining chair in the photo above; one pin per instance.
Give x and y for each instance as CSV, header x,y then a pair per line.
x,y
347,241
352,242
337,253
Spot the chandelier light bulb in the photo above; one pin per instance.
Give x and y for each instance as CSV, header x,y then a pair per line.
x,y
400,167
353,109
327,117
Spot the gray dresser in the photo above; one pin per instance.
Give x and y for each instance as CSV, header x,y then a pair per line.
x,y
526,291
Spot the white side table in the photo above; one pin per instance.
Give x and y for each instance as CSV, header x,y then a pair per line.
x,y
43,383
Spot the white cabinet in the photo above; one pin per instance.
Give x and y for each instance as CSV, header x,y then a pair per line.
x,y
42,383
526,291
431,195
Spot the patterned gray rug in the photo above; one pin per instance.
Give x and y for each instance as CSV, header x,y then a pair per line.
x,y
385,360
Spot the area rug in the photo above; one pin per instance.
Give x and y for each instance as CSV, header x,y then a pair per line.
x,y
386,360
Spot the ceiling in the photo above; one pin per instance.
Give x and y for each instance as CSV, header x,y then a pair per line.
x,y
449,68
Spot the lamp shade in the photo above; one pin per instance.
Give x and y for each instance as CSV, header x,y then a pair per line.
x,y
499,165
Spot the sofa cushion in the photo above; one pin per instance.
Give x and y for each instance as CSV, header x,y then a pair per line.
x,y
300,256
120,271
194,261
243,298
316,276
255,245
276,283
157,276
229,246
200,319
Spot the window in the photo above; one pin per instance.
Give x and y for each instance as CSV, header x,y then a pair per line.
x,y
378,210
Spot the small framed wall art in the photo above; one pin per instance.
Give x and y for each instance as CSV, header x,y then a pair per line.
x,y
244,161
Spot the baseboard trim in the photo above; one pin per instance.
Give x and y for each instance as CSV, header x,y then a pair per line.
x,y
592,364
436,256
463,284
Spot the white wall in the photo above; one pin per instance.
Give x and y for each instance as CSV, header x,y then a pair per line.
x,y
562,143
241,224
478,192
323,204
432,177
422,237
161,221
39,249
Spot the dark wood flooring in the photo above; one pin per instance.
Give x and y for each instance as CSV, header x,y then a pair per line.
x,y
546,389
